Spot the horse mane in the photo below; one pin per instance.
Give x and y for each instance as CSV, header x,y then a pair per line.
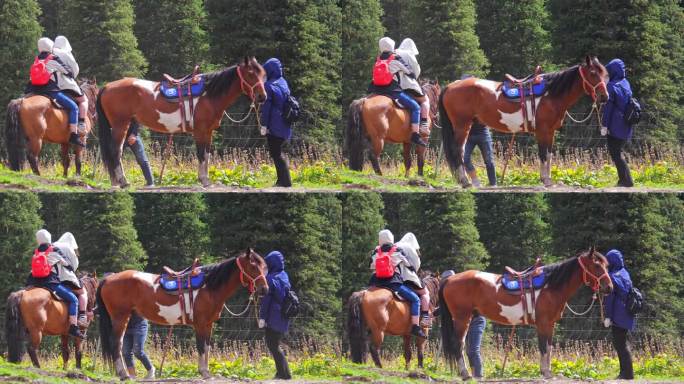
x,y
219,82
559,273
561,82
219,273
431,282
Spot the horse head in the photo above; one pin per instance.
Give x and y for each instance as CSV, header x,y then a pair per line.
x,y
594,76
253,272
252,77
595,271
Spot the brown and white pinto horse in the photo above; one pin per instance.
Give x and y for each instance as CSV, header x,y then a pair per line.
x,y
377,311
122,293
128,98
35,313
471,98
469,291
377,119
34,119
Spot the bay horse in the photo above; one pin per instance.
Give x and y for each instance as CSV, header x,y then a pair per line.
x,y
36,311
377,310
464,100
377,119
469,291
118,295
34,118
128,98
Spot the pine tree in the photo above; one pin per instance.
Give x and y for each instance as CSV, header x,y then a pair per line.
x,y
171,35
102,224
101,34
51,16
361,29
395,16
19,32
171,229
18,224
361,222
513,35
513,228
444,32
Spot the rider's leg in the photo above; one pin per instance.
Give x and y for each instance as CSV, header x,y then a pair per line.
x,y
408,294
424,112
82,111
82,305
424,306
66,102
69,297
409,102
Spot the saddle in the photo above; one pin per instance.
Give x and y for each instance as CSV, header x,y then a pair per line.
x,y
521,283
518,90
178,90
188,280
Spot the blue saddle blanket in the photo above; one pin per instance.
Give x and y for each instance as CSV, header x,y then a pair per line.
x,y
171,92
511,283
512,91
170,283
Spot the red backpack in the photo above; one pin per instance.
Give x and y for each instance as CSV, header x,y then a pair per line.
x,y
384,269
40,267
39,72
382,76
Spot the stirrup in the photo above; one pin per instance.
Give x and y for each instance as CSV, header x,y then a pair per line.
x,y
417,140
76,140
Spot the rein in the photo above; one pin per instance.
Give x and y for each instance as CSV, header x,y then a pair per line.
x,y
590,90
250,93
251,280
595,283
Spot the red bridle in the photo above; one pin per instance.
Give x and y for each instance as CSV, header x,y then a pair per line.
x,y
595,282
249,88
251,280
590,89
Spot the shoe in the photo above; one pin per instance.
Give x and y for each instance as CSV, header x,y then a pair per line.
x,y
81,126
82,321
75,139
425,321
418,331
417,140
150,374
75,332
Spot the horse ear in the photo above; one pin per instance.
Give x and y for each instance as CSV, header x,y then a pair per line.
x,y
587,59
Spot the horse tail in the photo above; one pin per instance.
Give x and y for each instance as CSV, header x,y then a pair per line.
x,y
15,331
105,327
15,138
355,141
451,353
105,135
450,150
356,328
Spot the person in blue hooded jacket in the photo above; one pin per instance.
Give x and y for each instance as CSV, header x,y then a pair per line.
x,y
270,313
614,124
618,317
273,124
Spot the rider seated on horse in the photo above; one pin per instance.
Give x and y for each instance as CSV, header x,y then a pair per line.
x,y
48,74
392,270
45,274
396,75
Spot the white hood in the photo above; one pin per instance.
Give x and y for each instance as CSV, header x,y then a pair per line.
x,y
62,43
409,47
386,45
43,237
45,44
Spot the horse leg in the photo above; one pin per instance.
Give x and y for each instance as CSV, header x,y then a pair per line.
x,y
461,137
203,143
77,160
118,329
374,155
545,144
36,336
545,338
407,351
65,352
420,152
32,154
461,323
203,336
407,159
66,160
420,346
79,353
376,342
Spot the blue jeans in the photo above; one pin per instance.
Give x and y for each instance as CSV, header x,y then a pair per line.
x,y
408,294
139,152
409,102
484,142
65,294
66,102
473,341
134,344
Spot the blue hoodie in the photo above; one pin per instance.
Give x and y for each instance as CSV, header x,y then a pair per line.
x,y
277,92
619,93
278,286
614,305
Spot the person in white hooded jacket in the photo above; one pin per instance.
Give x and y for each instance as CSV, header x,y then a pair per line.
x,y
67,81
408,80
